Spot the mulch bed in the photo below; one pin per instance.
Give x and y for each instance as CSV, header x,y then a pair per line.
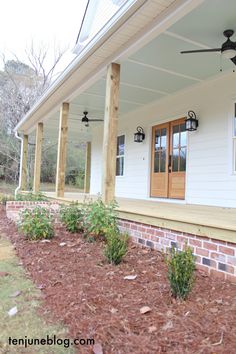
x,y
93,299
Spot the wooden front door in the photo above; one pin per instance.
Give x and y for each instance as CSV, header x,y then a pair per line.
x,y
169,148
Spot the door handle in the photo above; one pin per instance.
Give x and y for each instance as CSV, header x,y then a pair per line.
x,y
170,163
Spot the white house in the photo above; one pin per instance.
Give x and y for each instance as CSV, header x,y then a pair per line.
x,y
176,185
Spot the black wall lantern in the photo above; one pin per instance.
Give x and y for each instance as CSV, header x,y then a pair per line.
x,y
139,136
191,122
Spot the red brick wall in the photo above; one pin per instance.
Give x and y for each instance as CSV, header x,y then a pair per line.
x,y
14,207
215,257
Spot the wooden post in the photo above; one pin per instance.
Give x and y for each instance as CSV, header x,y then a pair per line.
x,y
110,132
38,156
62,150
24,163
87,168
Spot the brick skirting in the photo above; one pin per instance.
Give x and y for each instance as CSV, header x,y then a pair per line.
x,y
215,257
14,207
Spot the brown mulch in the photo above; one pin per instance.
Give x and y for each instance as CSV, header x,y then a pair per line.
x,y
93,299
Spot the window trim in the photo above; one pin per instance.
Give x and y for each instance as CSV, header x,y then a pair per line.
x,y
119,156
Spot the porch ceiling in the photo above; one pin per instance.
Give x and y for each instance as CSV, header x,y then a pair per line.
x,y
158,69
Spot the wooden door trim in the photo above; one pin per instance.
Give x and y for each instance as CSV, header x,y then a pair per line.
x,y
160,126
172,124
169,145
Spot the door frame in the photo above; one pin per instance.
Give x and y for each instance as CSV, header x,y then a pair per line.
x,y
150,161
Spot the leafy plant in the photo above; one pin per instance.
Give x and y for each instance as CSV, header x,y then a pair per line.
x,y
34,197
181,266
100,219
36,223
116,247
72,217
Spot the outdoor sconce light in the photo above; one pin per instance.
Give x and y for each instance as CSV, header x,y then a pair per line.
x,y
191,122
139,136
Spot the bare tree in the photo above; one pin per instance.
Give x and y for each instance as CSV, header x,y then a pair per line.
x,y
21,84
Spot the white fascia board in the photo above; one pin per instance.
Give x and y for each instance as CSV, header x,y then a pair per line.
x,y
121,16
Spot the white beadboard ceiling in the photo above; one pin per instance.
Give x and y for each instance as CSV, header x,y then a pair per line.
x,y
158,69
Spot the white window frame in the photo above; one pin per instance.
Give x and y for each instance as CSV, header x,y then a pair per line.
x,y
123,155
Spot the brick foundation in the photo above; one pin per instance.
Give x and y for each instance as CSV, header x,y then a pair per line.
x,y
215,257
13,208
218,258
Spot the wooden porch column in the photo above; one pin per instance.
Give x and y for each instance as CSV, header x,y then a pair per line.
x,y
24,163
110,132
87,168
62,150
38,156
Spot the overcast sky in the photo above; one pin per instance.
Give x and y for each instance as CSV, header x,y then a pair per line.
x,y
44,21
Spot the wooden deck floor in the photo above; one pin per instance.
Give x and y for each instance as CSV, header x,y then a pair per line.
x,y
214,222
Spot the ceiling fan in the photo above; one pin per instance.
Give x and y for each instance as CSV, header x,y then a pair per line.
x,y
86,120
228,48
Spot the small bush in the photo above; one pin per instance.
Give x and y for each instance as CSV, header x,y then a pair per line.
x,y
100,218
34,197
72,217
36,223
181,266
116,247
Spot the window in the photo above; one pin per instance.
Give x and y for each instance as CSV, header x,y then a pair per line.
x,y
120,152
234,137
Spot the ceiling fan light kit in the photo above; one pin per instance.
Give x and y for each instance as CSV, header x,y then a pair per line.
x,y
85,120
228,48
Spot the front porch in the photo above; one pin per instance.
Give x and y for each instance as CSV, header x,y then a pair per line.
x,y
207,221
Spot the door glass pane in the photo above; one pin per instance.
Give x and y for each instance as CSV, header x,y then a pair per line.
x,y
175,160
163,138
182,164
157,140
175,136
163,161
183,138
156,162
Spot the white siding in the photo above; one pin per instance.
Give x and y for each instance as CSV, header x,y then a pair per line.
x,y
209,178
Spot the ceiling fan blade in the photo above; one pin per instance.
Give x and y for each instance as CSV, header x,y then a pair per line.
x,y
234,60
201,51
95,120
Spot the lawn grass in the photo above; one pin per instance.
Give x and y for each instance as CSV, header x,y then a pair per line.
x,y
26,322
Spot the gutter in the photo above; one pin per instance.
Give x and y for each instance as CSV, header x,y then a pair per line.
x,y
21,158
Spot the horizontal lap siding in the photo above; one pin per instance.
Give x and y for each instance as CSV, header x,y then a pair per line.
x,y
210,180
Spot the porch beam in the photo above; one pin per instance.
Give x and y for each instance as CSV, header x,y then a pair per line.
x,y
110,132
62,150
87,168
23,185
38,157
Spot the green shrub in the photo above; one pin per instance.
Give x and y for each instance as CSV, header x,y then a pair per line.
x,y
181,266
100,218
72,217
36,223
116,246
34,197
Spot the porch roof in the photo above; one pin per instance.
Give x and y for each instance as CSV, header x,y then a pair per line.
x,y
147,41
209,221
